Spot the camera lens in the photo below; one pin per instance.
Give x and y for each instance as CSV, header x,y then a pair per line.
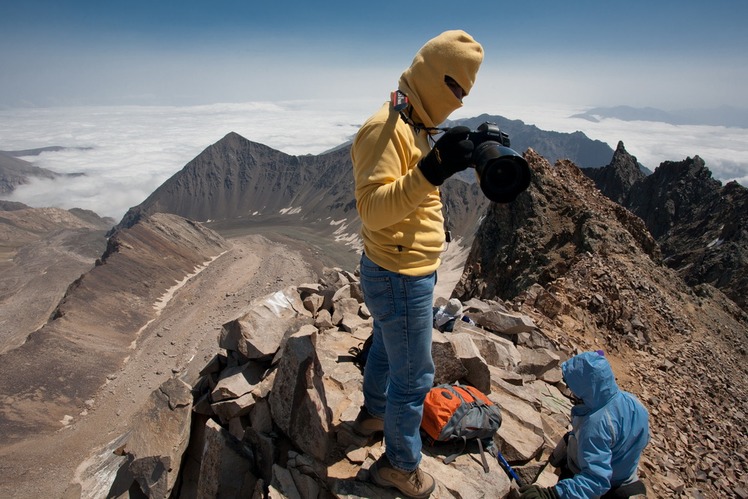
x,y
502,173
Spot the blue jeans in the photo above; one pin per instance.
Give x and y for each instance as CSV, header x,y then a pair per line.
x,y
399,370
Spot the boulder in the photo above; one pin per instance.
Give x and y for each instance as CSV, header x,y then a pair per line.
x,y
506,323
478,373
298,402
516,441
448,367
258,334
496,350
237,381
160,437
226,465
537,361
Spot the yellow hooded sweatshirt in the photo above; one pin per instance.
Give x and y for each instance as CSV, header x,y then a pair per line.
x,y
401,212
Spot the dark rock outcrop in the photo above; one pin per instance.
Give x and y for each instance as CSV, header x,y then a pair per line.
x,y
616,179
699,224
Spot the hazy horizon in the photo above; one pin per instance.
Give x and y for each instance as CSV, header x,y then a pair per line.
x,y
149,85
126,152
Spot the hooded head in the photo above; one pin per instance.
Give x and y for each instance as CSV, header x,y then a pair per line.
x,y
590,377
454,54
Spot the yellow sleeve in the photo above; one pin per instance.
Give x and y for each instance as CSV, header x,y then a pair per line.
x,y
389,186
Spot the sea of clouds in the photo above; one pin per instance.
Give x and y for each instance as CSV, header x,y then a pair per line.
x,y
126,152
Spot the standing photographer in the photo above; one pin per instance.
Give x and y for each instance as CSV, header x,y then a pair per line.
x,y
397,173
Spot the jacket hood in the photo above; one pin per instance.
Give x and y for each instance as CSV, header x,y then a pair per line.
x,y
453,53
590,377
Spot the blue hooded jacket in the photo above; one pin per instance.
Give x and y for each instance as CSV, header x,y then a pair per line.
x,y
610,429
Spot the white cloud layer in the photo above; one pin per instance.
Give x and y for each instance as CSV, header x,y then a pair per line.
x,y
135,149
724,150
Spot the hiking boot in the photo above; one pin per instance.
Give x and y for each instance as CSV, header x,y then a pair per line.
x,y
367,425
416,484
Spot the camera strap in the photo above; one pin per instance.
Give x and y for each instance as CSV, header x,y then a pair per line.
x,y
400,103
420,126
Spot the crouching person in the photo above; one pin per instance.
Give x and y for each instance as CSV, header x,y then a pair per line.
x,y
599,457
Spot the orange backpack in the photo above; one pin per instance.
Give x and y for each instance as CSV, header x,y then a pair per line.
x,y
454,412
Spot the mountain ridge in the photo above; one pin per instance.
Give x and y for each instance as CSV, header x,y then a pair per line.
x,y
587,271
15,172
699,224
576,146
90,318
591,275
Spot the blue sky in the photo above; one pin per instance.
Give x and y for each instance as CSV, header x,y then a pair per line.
x,y
665,54
135,90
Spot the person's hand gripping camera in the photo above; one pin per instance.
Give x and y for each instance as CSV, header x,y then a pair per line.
x,y
452,153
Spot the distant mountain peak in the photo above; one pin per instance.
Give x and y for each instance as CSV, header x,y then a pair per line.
x,y
618,176
577,147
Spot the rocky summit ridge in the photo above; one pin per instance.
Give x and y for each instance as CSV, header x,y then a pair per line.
x,y
591,276
561,270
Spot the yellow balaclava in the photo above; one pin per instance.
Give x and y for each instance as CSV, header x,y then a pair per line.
x,y
453,53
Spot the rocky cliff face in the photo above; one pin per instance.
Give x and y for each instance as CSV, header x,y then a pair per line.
x,y
699,224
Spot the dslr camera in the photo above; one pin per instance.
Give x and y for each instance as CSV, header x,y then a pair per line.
x,y
502,173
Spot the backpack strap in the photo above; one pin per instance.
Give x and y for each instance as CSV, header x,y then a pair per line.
x,y
463,443
482,456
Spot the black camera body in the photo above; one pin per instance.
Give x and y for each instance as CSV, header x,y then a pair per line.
x,y
502,173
